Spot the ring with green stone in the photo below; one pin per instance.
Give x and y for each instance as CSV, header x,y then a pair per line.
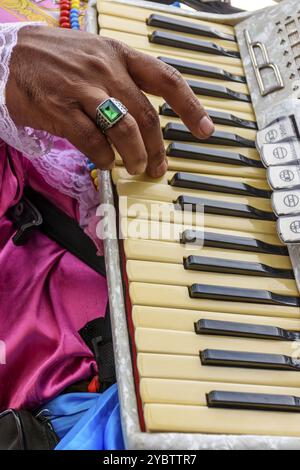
x,y
109,112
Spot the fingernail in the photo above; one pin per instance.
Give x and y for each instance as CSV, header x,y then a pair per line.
x,y
206,126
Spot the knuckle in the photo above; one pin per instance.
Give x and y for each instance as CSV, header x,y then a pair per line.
x,y
173,77
150,119
127,126
193,104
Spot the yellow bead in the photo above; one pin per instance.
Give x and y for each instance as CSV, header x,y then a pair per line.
x,y
75,4
94,173
96,182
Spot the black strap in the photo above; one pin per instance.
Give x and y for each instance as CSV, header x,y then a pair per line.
x,y
98,337
34,211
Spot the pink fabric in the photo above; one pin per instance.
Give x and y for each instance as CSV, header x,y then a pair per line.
x,y
46,296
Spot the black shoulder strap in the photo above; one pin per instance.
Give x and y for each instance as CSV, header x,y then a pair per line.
x,y
34,212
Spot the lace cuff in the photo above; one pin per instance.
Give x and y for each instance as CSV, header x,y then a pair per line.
x,y
32,143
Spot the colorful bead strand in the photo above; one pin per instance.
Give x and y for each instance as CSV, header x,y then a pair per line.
x,y
69,18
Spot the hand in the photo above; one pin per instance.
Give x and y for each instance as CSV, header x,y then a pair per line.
x,y
58,78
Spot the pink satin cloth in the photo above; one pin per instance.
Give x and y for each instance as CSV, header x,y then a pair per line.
x,y
46,296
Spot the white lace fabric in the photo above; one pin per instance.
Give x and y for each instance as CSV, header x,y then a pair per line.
x,y
61,165
31,142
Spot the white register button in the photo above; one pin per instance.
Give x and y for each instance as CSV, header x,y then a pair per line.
x,y
282,153
288,228
286,202
284,177
279,130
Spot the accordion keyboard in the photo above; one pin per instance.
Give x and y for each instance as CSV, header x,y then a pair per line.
x,y
214,306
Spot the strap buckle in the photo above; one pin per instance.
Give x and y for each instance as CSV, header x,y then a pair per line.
x,y
26,218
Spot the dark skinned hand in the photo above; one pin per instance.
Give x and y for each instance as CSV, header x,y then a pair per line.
x,y
58,78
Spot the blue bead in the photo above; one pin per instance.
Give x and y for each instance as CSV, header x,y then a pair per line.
x,y
74,14
74,23
73,10
91,166
75,27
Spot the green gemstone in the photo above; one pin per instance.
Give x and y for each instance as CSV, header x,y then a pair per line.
x,y
110,111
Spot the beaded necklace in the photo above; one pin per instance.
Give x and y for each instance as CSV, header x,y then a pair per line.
x,y
69,18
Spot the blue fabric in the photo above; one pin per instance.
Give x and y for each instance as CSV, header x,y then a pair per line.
x,y
87,421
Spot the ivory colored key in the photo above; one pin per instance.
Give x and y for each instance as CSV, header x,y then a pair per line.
x,y
188,320
176,418
167,193
140,42
184,392
176,296
151,250
189,344
172,366
173,178
142,14
159,22
176,275
166,226
205,166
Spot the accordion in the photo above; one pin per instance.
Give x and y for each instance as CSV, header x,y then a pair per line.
x,y
203,263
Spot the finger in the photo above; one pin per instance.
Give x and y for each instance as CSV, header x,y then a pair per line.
x,y
149,124
87,138
158,78
124,135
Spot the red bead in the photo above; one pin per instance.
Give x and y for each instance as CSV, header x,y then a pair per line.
x,y
65,10
65,24
64,19
65,2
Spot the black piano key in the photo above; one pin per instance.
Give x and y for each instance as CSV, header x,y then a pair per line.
x,y
218,117
244,330
207,183
231,242
217,91
191,44
174,24
177,131
211,206
250,360
197,152
237,294
252,401
201,70
227,266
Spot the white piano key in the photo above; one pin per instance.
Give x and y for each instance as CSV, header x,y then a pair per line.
x,y
282,153
284,177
